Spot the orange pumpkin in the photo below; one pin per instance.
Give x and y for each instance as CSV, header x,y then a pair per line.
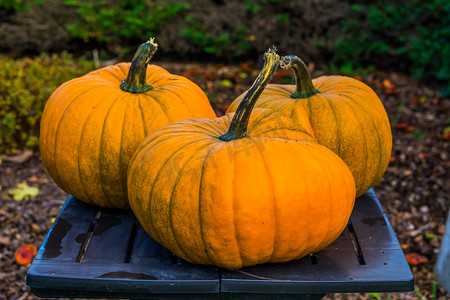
x,y
242,189
92,125
345,114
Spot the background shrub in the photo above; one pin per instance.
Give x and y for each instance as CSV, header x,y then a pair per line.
x,y
25,86
404,35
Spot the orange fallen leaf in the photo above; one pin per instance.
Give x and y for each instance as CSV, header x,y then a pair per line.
x,y
422,155
400,126
415,259
389,87
392,159
246,67
413,99
404,246
25,254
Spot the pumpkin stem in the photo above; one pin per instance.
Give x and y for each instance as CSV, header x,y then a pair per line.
x,y
136,78
239,123
305,87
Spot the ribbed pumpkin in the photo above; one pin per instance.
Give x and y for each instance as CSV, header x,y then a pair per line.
x,y
345,114
92,125
243,191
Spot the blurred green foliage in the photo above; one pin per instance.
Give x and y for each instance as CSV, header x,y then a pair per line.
x,y
412,32
139,19
18,5
226,44
25,86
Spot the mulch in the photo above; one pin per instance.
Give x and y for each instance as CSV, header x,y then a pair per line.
x,y
414,190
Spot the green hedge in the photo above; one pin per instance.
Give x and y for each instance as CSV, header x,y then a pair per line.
x,y
25,86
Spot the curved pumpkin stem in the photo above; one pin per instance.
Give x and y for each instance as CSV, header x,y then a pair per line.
x,y
305,87
239,123
136,78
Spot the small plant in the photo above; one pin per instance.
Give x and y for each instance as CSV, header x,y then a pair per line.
x,y
18,5
226,44
26,85
138,19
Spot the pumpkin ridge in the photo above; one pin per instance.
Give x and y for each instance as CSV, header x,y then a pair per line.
x,y
256,121
323,82
264,102
156,74
142,115
155,96
283,128
318,156
83,130
121,149
380,142
101,147
337,90
308,215
209,126
233,193
200,194
366,154
186,106
345,176
336,119
371,104
159,173
177,180
263,158
124,68
380,158
53,158
288,89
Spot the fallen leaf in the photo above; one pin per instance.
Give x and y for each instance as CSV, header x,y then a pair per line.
x,y
226,82
246,67
40,179
5,240
23,191
415,259
25,254
18,158
389,87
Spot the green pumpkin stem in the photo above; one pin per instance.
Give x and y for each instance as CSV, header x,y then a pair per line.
x,y
239,123
136,79
305,87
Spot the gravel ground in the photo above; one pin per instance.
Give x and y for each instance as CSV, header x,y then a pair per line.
x,y
414,190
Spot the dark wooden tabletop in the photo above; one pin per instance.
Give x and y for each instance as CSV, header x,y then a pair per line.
x,y
104,253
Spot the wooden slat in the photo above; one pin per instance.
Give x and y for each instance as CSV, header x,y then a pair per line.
x,y
66,236
371,225
110,238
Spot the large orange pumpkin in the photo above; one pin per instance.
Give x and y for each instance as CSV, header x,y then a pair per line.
x,y
345,114
92,125
237,192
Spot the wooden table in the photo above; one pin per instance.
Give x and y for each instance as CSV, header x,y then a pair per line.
x,y
104,253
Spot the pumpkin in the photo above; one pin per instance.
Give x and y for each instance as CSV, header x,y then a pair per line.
x,y
239,190
345,114
92,125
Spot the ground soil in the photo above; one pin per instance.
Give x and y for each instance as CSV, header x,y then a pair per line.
x,y
414,190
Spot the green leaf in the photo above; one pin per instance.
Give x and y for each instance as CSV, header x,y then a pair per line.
x,y
23,191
